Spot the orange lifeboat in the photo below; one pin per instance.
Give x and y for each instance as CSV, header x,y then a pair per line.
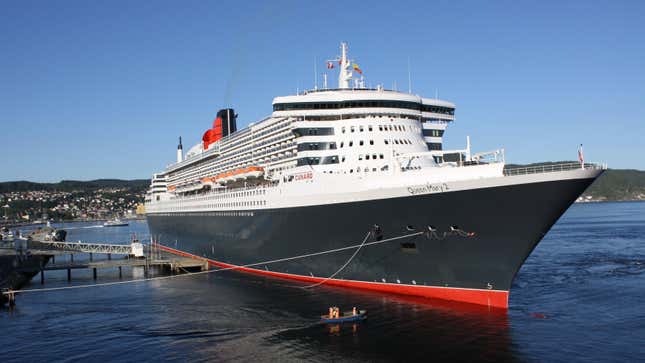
x,y
250,172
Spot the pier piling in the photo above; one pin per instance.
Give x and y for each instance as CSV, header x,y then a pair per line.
x,y
69,274
94,272
42,277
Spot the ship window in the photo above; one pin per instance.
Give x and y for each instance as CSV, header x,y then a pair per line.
x,y
432,133
360,128
374,156
380,127
351,143
371,142
343,159
351,128
385,141
351,171
360,157
342,143
360,143
396,141
367,157
373,169
381,156
330,160
369,128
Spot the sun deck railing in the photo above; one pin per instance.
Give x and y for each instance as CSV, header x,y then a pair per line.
x,y
549,168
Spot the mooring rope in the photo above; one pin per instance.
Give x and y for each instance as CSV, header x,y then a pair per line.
x,y
342,267
364,243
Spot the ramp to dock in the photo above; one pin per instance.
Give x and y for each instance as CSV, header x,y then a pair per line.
x,y
82,247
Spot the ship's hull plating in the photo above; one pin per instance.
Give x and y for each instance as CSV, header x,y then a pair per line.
x,y
505,224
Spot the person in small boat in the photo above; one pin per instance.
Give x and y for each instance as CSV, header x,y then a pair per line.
x,y
336,312
331,312
354,311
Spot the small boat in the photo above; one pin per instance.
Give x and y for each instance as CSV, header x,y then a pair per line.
x,y
347,316
116,222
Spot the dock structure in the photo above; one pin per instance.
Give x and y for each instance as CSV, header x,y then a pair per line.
x,y
152,258
167,263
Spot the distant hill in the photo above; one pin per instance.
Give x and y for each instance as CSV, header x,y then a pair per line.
x,y
618,184
612,185
69,185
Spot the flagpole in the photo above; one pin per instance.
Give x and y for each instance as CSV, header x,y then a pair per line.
x,y
315,73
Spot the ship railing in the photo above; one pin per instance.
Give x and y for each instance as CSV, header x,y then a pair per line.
x,y
458,157
223,191
552,167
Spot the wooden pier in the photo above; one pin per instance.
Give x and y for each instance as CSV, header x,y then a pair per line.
x,y
166,263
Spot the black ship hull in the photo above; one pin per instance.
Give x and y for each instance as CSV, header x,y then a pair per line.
x,y
482,237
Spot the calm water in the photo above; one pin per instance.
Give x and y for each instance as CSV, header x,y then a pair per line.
x,y
579,297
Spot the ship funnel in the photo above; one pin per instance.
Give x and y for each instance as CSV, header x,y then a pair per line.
x,y
224,125
229,124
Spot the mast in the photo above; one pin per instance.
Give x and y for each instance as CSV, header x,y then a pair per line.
x,y
180,152
345,74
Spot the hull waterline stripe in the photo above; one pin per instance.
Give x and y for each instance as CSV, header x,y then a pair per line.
x,y
490,298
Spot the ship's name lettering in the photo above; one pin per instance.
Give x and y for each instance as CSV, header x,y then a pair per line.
x,y
428,188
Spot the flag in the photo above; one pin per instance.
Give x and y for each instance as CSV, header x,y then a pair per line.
x,y
581,156
357,69
330,65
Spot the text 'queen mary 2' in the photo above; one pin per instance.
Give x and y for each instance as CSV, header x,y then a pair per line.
x,y
356,181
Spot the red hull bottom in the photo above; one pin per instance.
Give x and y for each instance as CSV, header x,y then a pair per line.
x,y
490,298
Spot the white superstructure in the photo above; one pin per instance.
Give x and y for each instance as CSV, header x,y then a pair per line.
x,y
321,146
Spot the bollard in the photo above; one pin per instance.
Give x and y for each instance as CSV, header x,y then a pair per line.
x,y
94,272
69,274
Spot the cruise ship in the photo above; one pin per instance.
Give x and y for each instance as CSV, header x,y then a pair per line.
x,y
351,186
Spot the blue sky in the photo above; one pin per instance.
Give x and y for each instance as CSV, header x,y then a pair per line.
x,y
93,89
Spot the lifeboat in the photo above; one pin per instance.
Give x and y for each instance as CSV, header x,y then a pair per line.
x,y
250,172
